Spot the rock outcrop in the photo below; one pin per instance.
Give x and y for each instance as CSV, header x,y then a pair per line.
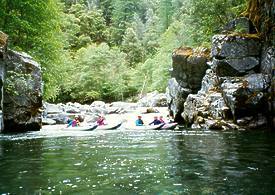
x,y
237,91
22,91
189,67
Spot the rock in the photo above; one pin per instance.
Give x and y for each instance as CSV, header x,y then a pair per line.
x,y
176,96
53,108
240,25
268,60
199,120
60,118
253,122
210,82
72,110
236,67
47,121
22,102
153,99
189,67
98,110
194,106
217,108
214,125
227,46
195,126
246,96
150,110
100,104
124,106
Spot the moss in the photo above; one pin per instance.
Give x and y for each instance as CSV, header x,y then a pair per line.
x,y
256,13
3,39
189,52
245,35
185,51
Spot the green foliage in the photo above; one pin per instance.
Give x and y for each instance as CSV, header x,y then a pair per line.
x,y
99,72
16,83
132,47
110,49
34,27
84,26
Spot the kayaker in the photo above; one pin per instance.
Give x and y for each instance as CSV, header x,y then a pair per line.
x,y
156,121
100,120
161,119
74,123
139,121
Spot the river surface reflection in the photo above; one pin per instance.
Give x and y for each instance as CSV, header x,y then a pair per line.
x,y
137,162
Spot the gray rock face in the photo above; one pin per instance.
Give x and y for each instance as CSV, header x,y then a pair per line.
x,y
176,96
210,82
268,60
236,67
153,99
226,46
246,96
188,70
22,97
237,92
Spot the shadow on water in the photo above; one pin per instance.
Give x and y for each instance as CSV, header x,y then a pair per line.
x,y
227,162
138,162
19,162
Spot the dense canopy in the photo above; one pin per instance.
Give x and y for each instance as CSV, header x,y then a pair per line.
x,y
109,49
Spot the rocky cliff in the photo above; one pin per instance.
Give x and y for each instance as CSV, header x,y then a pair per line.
x,y
21,90
234,89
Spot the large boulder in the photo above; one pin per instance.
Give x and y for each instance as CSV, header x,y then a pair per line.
x,y
22,96
189,67
176,96
230,46
236,66
195,106
211,105
246,96
153,99
210,82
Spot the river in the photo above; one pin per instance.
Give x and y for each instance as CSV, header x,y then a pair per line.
x,y
138,162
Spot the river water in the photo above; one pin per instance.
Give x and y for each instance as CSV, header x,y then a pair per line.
x,y
137,162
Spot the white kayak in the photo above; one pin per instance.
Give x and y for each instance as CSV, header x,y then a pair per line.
x,y
109,126
169,126
145,127
82,128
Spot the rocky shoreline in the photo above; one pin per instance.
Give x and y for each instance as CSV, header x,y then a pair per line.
x,y
154,104
229,87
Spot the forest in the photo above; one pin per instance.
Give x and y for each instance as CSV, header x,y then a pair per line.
x,y
110,49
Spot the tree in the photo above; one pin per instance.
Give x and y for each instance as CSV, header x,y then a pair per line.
x,y
34,27
165,14
123,13
132,47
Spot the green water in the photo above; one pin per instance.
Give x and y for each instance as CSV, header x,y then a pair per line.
x,y
138,162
